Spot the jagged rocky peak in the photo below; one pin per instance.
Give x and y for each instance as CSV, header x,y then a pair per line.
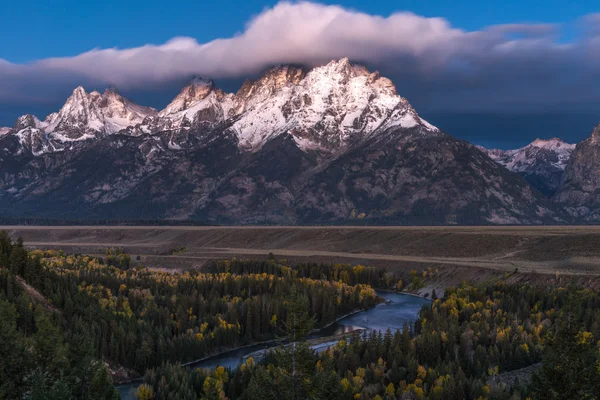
x,y
119,111
29,132
542,162
84,115
341,69
551,144
4,130
27,121
271,81
326,108
110,96
554,152
196,90
199,105
595,136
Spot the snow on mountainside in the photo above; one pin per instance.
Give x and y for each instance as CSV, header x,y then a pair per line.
x,y
198,101
87,115
84,116
554,151
338,97
542,162
31,136
328,145
326,108
4,130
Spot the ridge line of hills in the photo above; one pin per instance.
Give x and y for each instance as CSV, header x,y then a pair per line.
x,y
333,144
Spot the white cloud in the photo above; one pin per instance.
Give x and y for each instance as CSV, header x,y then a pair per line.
x,y
412,49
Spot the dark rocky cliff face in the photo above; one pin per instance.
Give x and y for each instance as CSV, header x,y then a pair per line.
x,y
580,187
407,178
402,178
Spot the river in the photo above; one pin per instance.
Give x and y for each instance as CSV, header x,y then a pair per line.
x,y
393,314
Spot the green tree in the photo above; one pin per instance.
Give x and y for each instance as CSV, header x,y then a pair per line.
x,y
571,364
102,387
18,258
48,344
14,358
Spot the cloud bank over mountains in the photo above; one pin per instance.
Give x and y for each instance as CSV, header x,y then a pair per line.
x,y
512,66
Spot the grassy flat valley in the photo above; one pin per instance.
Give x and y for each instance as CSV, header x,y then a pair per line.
x,y
472,253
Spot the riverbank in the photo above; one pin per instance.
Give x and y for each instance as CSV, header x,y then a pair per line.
x,y
313,343
397,311
422,293
346,316
270,343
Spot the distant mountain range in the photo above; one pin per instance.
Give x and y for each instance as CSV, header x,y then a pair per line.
x,y
335,144
542,163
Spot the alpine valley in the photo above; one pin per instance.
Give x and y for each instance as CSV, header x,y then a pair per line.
x,y
334,144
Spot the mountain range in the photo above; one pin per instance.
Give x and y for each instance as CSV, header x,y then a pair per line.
x,y
332,144
542,162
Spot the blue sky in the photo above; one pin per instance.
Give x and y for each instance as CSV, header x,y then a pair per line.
x,y
452,59
43,28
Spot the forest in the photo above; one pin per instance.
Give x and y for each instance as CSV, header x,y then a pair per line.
x,y
137,318
40,357
68,322
457,349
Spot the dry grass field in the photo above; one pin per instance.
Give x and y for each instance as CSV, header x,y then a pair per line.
x,y
473,253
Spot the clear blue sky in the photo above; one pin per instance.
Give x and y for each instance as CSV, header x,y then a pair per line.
x,y
36,29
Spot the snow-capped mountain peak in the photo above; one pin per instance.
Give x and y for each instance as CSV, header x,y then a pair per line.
x,y
198,103
26,121
195,91
321,145
266,87
551,144
542,162
553,151
327,108
86,115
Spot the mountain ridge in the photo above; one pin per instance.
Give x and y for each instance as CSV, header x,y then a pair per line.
x,y
332,144
542,162
580,188
284,98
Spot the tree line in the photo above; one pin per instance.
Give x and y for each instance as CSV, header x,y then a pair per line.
x,y
139,318
458,348
65,318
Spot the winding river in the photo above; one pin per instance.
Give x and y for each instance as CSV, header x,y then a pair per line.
x,y
398,310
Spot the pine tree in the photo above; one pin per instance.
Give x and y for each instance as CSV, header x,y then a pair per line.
x,y
571,364
101,387
18,258
14,359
